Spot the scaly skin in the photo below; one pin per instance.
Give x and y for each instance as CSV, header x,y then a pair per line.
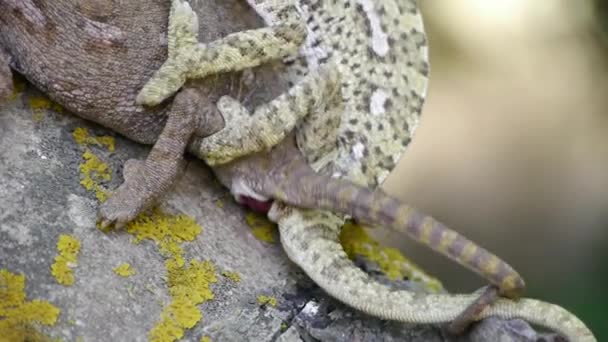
x,y
355,120
73,52
284,175
310,238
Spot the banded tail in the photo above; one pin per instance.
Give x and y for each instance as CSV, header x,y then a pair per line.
x,y
310,239
300,186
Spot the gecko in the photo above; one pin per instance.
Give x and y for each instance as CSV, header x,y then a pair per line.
x,y
334,34
107,38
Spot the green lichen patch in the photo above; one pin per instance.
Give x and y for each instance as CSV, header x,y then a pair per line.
x,y
68,248
267,300
124,270
18,317
356,241
261,227
189,282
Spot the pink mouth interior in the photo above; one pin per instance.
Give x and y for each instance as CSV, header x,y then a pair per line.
x,y
256,205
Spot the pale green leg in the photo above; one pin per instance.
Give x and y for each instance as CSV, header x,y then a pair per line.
x,y
189,59
245,132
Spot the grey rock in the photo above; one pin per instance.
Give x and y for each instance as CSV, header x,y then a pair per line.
x,y
41,198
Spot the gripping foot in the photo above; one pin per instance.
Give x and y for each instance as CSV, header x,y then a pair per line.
x,y
188,59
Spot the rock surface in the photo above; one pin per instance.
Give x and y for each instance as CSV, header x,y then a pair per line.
x,y
41,197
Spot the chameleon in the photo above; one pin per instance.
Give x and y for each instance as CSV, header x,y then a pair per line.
x,y
105,51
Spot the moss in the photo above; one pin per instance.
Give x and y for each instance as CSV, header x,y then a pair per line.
x,y
68,248
262,228
18,316
124,270
356,241
233,276
189,282
267,300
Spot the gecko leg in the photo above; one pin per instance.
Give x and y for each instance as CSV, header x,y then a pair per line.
x,y
246,133
6,77
146,180
188,59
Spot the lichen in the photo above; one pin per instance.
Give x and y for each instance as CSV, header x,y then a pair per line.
x,y
68,248
233,276
356,241
93,171
82,137
124,270
267,300
18,87
39,104
189,283
18,317
262,228
205,339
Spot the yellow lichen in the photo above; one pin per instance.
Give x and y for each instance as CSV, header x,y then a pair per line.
x,y
68,248
356,241
124,270
189,282
205,339
93,172
262,228
219,203
267,300
18,87
39,104
82,137
233,276
17,316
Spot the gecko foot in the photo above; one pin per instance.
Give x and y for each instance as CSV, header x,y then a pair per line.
x,y
470,314
142,186
182,39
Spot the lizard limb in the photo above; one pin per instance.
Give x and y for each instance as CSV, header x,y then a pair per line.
x,y
146,180
6,77
246,133
188,59
310,239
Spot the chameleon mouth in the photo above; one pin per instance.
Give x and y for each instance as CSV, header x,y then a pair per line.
x,y
258,206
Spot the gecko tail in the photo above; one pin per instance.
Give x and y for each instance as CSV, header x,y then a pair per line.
x,y
304,188
310,239
182,38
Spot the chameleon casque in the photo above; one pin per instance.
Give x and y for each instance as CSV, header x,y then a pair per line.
x,y
93,75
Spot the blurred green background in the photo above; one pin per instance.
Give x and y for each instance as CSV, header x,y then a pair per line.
x,y
512,150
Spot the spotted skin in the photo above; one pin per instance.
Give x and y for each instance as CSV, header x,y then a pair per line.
x,y
189,59
284,175
378,49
